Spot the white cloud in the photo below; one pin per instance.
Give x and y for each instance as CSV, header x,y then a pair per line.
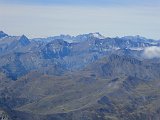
x,y
152,52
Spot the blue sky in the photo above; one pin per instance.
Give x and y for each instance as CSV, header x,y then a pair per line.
x,y
84,2
42,18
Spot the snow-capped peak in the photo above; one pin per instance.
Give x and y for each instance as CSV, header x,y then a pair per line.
x,y
97,35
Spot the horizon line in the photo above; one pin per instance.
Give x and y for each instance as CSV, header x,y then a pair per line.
x,y
75,35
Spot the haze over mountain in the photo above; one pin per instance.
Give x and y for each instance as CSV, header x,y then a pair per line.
x,y
83,77
111,17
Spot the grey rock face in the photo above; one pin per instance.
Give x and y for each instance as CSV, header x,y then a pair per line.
x,y
4,115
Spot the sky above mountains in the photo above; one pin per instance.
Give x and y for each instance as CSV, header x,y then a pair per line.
x,y
84,2
42,18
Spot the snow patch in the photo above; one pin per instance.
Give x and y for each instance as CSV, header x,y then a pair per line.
x,y
137,49
98,35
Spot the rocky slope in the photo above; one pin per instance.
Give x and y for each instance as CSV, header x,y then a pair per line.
x,y
106,89
88,78
4,115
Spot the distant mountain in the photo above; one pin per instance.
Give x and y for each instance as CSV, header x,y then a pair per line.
x,y
13,43
84,77
26,55
72,39
2,34
89,36
67,38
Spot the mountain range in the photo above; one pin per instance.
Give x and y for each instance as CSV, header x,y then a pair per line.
x,y
84,77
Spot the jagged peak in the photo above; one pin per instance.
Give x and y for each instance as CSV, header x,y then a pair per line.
x,y
3,34
24,40
23,36
97,35
134,37
94,34
58,42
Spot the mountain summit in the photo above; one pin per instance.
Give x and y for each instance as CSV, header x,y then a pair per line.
x,y
97,35
24,40
2,34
